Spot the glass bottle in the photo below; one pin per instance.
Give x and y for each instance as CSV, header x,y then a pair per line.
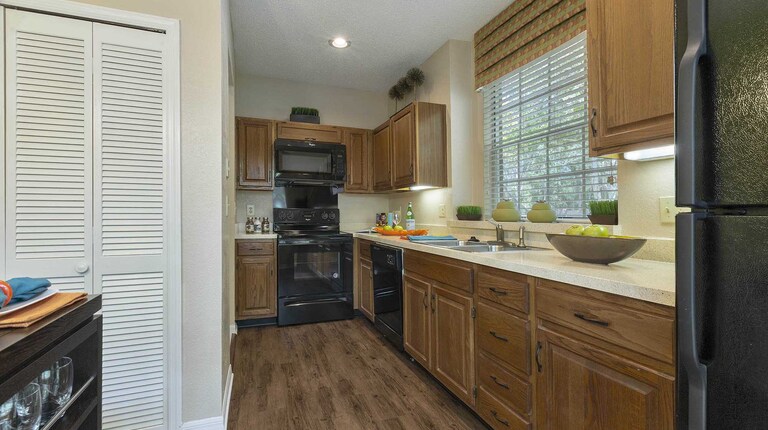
x,y
410,220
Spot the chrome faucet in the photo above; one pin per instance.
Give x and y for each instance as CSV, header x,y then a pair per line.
x,y
499,231
521,238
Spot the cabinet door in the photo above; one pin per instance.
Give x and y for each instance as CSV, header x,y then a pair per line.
x,y
581,387
452,342
302,131
357,142
404,147
365,280
255,140
256,295
416,319
631,72
382,161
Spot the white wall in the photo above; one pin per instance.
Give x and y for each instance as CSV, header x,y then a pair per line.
x,y
640,186
269,98
201,134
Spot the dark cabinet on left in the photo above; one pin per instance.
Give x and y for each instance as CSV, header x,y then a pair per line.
x,y
255,142
74,332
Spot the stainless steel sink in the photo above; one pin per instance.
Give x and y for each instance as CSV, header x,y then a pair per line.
x,y
491,248
449,243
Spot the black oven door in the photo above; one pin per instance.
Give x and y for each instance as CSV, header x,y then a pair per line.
x,y
314,280
309,163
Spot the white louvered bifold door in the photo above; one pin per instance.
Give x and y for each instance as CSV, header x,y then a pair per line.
x,y
49,145
130,141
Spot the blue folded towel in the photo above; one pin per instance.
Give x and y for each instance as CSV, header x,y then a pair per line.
x,y
25,289
421,238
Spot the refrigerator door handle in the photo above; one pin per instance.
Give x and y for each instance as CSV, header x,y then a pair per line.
x,y
687,321
687,109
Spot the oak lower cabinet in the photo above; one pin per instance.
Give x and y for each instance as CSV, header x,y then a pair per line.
x,y
603,361
438,323
255,143
365,280
630,45
255,280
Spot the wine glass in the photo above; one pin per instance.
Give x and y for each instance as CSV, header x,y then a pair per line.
x,y
28,408
6,413
56,384
396,218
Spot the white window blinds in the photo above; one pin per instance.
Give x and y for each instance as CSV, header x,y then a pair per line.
x,y
536,145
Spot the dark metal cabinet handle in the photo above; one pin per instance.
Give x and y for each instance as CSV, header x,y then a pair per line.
x,y
424,301
433,303
499,383
498,336
253,248
498,291
496,416
591,319
538,357
592,122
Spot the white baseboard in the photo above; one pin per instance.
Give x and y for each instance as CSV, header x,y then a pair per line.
x,y
213,423
227,395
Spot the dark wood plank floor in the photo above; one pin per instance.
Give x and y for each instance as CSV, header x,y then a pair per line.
x,y
337,375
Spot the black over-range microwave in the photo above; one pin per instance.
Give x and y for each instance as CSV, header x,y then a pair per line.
x,y
303,162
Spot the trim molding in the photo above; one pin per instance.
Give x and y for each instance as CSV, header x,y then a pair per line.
x,y
213,423
227,395
171,27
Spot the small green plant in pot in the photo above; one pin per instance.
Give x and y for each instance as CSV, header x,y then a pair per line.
x,y
303,114
604,212
469,213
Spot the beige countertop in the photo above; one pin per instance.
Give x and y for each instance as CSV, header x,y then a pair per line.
x,y
652,281
243,236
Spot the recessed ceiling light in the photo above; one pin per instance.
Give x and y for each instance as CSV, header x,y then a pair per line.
x,y
339,42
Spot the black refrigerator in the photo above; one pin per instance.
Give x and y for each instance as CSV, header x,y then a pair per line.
x,y
722,244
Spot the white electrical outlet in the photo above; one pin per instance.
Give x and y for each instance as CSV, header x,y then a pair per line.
x,y
250,210
441,211
668,210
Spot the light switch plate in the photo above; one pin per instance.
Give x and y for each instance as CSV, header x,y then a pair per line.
x,y
250,210
441,211
668,210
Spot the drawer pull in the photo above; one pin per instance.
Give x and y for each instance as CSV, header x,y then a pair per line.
x,y
255,249
498,336
500,384
538,357
498,292
591,319
496,416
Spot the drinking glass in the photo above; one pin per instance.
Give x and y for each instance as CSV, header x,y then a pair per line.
x,y
6,414
396,218
56,385
28,408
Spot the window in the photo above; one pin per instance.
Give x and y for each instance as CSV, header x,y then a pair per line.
x,y
536,142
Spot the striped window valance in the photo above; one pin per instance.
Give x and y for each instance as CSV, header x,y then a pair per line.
x,y
524,31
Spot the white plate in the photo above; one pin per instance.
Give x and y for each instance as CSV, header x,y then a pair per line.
x,y
21,305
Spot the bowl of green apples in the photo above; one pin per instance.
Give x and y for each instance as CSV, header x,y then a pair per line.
x,y
594,244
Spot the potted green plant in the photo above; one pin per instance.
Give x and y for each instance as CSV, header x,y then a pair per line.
x,y
605,212
469,213
303,114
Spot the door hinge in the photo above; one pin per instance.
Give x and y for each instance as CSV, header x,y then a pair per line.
x,y
474,392
474,312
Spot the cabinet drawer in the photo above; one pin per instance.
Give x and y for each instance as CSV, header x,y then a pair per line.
x,y
498,416
504,385
255,247
504,336
365,249
617,321
505,288
447,271
320,133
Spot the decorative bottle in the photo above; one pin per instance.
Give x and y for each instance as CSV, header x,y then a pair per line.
x,y
410,220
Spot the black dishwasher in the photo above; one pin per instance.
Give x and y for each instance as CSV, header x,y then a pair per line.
x,y
388,292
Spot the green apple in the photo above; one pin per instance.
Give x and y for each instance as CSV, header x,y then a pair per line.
x,y
596,230
398,228
575,230
387,228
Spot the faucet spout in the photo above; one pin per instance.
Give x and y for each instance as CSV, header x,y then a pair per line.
x,y
499,231
521,238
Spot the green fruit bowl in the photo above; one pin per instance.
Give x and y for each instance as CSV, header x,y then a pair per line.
x,y
595,250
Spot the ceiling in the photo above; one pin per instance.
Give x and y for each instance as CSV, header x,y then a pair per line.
x,y
288,39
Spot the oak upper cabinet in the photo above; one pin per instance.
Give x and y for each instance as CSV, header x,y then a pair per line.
x,y
416,320
630,51
307,131
382,158
255,142
255,284
603,361
453,343
419,146
358,144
